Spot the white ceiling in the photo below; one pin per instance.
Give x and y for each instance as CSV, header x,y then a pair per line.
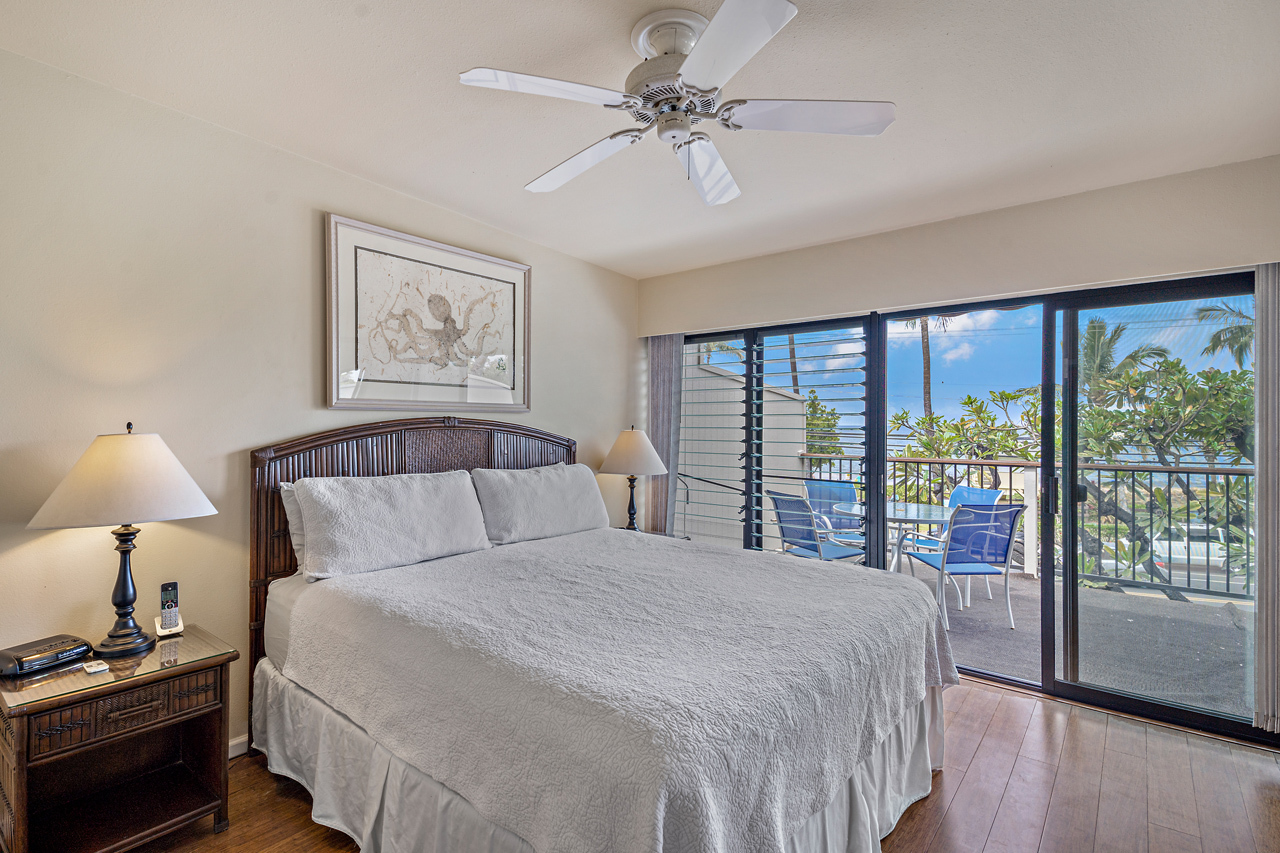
x,y
1000,102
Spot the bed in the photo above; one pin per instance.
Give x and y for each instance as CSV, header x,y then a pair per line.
x,y
604,690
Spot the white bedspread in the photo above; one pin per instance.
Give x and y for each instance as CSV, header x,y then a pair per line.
x,y
613,691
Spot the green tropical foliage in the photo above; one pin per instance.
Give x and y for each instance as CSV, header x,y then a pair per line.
x,y
1004,426
822,424
1098,362
1169,411
1234,335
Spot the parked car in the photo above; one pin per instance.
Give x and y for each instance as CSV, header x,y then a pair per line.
x,y
1195,546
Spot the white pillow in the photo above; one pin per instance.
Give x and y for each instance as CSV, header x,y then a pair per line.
x,y
538,503
293,513
363,524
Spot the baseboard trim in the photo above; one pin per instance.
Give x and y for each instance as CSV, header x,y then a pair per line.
x,y
238,746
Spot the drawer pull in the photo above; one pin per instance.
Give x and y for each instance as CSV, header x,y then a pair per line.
x,y
116,716
54,731
194,691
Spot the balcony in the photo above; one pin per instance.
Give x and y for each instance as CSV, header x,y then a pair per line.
x,y
1167,550
1170,547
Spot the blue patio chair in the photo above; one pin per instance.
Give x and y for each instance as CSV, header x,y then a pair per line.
x,y
823,495
800,531
969,495
979,541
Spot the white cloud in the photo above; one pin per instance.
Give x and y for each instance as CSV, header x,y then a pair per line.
x,y
958,352
842,363
971,322
899,335
958,341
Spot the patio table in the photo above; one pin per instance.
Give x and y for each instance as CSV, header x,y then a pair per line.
x,y
905,516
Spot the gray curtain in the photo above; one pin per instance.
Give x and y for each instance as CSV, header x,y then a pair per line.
x,y
666,367
1266,714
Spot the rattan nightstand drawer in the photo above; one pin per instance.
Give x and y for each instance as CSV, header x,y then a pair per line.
x,y
60,729
131,710
68,727
195,691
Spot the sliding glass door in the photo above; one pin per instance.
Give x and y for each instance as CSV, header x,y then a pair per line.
x,y
1133,455
1155,534
963,419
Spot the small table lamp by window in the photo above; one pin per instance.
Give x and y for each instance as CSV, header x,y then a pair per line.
x,y
633,455
123,479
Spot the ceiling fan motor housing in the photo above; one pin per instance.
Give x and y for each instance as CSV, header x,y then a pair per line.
x,y
654,82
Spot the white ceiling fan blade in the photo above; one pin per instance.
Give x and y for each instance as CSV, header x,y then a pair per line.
x,y
708,172
852,118
737,32
583,160
492,78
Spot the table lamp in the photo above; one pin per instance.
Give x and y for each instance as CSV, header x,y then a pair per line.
x,y
123,476
633,455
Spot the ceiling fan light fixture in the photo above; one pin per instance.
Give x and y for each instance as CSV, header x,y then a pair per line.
x,y
673,126
667,32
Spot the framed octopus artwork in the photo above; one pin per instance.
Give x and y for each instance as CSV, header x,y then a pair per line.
x,y
416,325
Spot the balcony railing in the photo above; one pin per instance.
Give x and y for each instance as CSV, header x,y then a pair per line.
x,y
1183,529
1176,528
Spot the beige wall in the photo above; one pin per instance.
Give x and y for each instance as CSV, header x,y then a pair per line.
x,y
158,269
1212,219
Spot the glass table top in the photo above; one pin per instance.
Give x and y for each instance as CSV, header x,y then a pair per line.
x,y
903,511
192,646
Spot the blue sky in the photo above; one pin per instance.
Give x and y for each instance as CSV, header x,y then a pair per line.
x,y
989,350
978,352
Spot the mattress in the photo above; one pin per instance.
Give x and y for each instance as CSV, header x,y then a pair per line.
x,y
282,595
610,691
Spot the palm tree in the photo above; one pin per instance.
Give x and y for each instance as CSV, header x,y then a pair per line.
x,y
704,351
1235,336
943,322
795,372
1098,364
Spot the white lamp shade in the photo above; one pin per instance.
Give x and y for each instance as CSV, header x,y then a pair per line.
x,y
123,479
632,454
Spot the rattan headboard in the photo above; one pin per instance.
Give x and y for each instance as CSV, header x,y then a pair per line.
x,y
412,446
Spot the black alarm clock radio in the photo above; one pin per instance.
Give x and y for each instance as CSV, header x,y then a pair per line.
x,y
42,654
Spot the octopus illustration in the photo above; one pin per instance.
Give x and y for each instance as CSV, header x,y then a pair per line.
x,y
409,340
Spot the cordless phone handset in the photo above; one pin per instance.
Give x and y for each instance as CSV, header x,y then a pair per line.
x,y
169,621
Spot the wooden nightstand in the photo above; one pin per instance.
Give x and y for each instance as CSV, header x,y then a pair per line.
x,y
109,761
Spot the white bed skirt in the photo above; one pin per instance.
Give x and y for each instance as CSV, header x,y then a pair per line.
x,y
389,806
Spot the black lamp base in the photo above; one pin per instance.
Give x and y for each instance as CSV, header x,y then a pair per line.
x,y
631,506
126,638
119,647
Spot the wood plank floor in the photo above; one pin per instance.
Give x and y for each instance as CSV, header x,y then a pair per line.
x,y
1022,773
269,814
1025,773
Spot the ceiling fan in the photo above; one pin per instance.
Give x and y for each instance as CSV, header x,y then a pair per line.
x,y
686,62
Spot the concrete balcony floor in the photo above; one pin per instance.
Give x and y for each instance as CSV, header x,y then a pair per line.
x,y
1196,653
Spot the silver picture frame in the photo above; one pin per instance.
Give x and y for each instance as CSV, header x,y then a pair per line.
x,y
417,325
